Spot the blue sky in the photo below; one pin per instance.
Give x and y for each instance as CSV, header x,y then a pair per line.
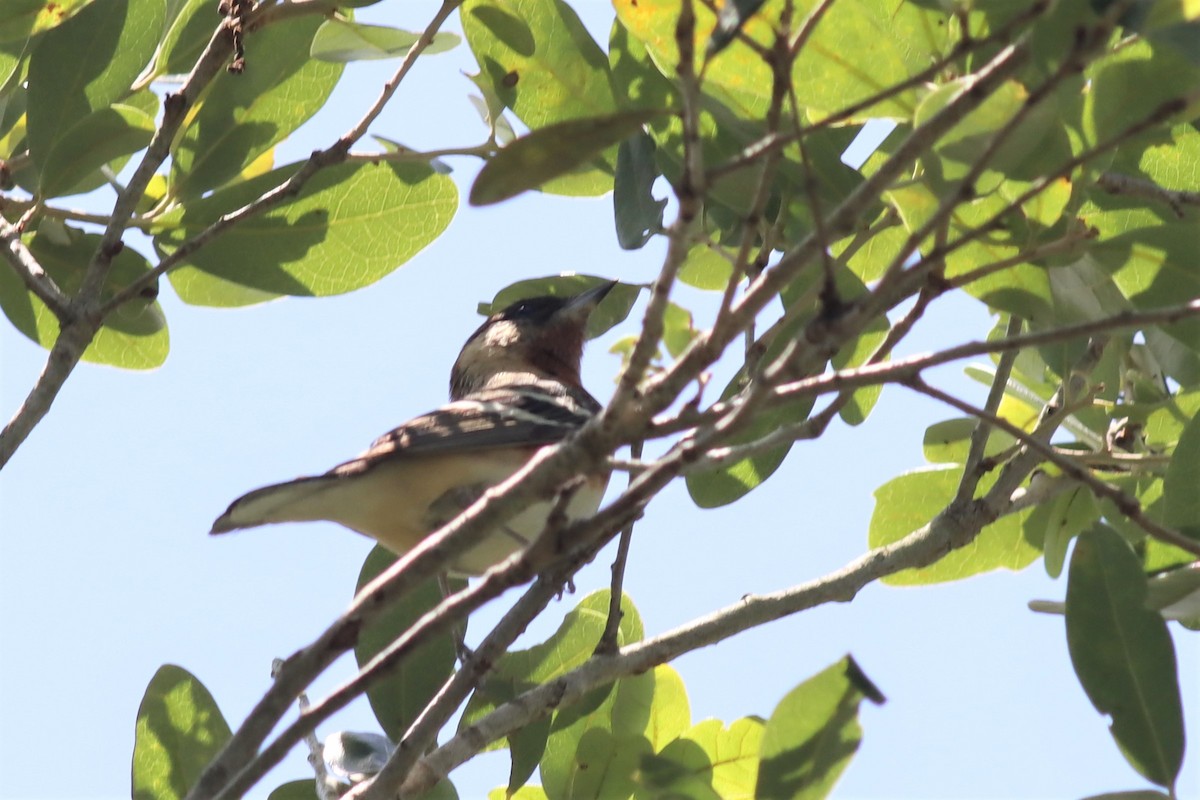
x,y
109,572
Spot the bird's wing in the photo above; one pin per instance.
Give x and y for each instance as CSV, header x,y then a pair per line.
x,y
518,416
432,452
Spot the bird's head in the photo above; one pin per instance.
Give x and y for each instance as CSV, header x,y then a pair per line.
x,y
537,338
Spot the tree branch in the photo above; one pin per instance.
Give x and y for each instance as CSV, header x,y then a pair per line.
x,y
918,549
1128,505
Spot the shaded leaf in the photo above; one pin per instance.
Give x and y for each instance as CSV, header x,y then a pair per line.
x,y
549,152
1123,654
87,64
812,734
349,226
908,502
594,751
339,40
134,336
948,441
179,730
244,115
404,692
731,754
638,215
1181,484
295,790
93,142
540,59
187,35
519,670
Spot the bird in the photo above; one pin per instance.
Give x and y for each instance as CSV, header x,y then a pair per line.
x,y
515,388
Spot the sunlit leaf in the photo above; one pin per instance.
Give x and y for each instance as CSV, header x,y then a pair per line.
x,y
350,225
908,502
243,115
340,41
179,730
87,64
539,58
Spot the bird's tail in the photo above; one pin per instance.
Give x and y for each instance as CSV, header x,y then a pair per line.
x,y
294,501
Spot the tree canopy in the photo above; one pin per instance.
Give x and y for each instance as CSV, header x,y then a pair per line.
x,y
1039,161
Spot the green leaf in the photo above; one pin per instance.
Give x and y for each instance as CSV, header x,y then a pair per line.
x,y
908,502
1132,83
731,755
187,35
87,64
612,311
812,734
682,771
706,268
1123,654
594,752
24,19
678,330
179,730
713,488
1069,515
339,41
400,696
517,671
549,152
94,141
350,226
244,115
948,441
638,215
1181,484
295,790
540,59
1136,794
661,713
133,337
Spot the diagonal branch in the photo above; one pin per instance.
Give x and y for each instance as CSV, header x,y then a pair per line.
x,y
1128,505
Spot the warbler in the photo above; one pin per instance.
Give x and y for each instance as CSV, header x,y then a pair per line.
x,y
514,389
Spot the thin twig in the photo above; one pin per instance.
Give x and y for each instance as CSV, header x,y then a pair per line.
x,y
612,625
979,437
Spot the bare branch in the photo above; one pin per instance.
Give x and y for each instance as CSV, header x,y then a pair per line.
x,y
1130,186
31,273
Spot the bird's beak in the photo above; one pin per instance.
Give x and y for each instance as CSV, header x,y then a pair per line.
x,y
586,302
